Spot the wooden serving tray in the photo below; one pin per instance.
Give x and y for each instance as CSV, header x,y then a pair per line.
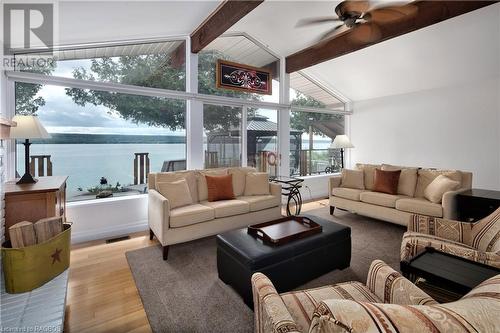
x,y
284,230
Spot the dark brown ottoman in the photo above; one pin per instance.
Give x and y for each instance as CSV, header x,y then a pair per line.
x,y
239,255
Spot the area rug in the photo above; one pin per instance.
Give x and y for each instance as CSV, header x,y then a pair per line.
x,y
184,294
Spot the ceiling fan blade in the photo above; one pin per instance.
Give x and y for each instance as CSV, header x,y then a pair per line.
x,y
365,33
314,21
391,14
338,30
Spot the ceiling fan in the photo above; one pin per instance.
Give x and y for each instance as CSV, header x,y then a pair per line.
x,y
362,19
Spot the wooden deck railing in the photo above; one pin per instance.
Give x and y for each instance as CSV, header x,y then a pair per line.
x,y
141,168
38,163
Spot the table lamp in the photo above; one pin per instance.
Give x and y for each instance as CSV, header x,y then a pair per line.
x,y
28,127
341,142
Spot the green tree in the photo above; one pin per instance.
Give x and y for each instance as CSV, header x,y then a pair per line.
x,y
156,71
302,120
27,101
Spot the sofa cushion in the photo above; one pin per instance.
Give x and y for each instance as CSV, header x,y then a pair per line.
x,y
353,179
439,186
192,214
177,193
189,176
380,199
369,172
420,206
239,179
386,181
347,193
407,179
225,208
202,182
256,183
426,176
301,304
220,187
260,202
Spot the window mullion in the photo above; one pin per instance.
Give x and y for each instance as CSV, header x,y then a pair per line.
x,y
244,137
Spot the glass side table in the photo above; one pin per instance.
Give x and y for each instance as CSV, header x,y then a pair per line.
x,y
290,189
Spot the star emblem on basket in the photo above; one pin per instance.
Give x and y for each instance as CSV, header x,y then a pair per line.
x,y
56,256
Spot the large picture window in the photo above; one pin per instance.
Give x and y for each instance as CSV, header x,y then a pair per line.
x,y
262,140
311,134
154,65
239,49
102,140
222,135
107,137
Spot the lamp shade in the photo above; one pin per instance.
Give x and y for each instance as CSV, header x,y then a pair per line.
x,y
341,141
28,127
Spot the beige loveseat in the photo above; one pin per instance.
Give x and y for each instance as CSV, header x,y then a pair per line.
x,y
203,218
400,207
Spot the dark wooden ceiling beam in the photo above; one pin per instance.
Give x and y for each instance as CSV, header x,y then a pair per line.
x,y
429,12
225,16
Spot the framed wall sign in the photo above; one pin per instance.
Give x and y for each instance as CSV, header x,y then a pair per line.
x,y
240,77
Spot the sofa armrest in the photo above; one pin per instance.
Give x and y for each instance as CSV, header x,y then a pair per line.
x,y
448,229
275,189
270,312
391,287
414,243
450,205
158,214
333,182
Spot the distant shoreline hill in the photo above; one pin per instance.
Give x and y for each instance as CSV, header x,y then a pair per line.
x,y
77,138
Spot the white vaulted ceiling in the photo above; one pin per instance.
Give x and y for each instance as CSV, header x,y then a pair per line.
x,y
92,21
463,49
456,51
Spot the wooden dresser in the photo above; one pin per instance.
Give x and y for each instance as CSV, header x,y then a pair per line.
x,y
31,202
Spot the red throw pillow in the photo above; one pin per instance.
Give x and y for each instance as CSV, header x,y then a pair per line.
x,y
220,187
386,181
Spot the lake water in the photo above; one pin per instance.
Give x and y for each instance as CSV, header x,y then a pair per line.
x,y
85,164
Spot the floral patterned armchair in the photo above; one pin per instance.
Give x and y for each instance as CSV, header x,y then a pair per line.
x,y
386,303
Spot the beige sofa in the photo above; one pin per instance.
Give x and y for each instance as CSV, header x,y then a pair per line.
x,y
203,218
409,200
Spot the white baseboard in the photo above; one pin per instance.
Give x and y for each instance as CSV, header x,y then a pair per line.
x,y
102,233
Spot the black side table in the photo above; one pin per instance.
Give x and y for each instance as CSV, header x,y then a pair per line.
x,y
290,189
475,204
446,271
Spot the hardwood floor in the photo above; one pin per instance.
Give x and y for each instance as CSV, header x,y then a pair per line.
x,y
102,296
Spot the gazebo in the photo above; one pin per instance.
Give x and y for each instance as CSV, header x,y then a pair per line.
x,y
223,146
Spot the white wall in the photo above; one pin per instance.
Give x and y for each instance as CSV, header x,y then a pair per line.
x,y
456,127
108,218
